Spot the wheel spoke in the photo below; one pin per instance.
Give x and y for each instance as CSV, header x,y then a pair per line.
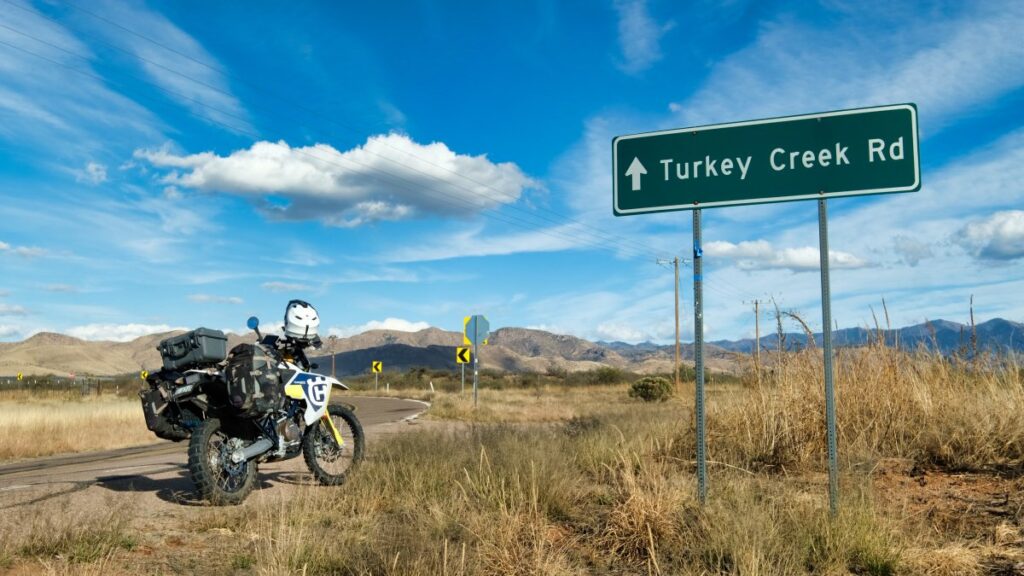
x,y
334,459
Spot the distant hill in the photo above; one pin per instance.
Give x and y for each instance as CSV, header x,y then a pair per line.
x,y
510,349
49,353
943,336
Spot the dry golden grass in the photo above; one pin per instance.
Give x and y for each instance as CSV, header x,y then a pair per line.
x,y
889,403
533,404
548,480
31,426
73,541
577,498
584,480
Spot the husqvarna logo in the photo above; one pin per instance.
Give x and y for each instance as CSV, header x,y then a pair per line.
x,y
316,394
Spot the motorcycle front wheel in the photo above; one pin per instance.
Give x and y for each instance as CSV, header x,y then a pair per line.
x,y
215,476
330,463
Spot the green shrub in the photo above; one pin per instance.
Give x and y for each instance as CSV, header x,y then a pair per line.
x,y
651,389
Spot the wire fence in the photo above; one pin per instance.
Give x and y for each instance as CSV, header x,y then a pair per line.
x,y
124,385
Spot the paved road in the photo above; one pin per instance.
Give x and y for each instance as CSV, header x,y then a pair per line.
x,y
164,463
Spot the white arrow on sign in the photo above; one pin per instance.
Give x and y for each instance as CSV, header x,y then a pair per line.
x,y
635,170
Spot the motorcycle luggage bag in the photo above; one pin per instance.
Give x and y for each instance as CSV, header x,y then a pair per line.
x,y
195,348
254,386
154,407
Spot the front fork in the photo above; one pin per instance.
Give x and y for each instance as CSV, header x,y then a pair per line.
x,y
326,418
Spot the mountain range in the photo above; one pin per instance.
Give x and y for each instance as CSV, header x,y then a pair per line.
x,y
942,336
509,349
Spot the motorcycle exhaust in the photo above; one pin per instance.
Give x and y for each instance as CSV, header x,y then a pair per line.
x,y
251,451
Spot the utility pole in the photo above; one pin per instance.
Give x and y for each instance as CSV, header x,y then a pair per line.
x,y
332,339
675,262
757,339
676,366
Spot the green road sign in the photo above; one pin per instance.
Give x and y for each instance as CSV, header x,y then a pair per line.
x,y
842,153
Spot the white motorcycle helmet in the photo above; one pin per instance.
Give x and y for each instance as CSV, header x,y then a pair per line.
x,y
301,321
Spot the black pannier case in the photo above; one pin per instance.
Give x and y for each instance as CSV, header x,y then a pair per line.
x,y
200,346
254,387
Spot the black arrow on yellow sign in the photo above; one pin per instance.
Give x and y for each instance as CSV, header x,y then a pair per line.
x,y
377,366
462,355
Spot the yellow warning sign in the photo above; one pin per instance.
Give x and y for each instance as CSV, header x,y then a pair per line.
x,y
376,366
20,376
143,374
463,355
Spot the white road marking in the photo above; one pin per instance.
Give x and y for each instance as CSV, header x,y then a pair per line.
x,y
416,415
15,487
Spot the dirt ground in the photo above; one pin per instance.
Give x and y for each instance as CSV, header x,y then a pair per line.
x,y
166,529
980,509
176,534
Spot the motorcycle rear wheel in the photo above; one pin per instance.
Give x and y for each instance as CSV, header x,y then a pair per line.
x,y
331,464
216,478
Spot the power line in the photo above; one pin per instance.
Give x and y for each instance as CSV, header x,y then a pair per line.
x,y
598,232
627,246
491,213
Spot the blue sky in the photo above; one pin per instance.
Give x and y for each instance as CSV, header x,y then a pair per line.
x,y
175,164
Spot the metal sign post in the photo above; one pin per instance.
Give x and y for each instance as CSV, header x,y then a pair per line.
x,y
811,156
462,355
475,330
377,366
698,353
826,342
476,375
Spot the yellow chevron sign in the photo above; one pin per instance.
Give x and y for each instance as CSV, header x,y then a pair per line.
x,y
463,355
20,376
376,366
143,375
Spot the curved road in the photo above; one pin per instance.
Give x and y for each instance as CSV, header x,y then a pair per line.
x,y
164,464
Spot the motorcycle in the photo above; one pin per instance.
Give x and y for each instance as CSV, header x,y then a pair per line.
x,y
253,406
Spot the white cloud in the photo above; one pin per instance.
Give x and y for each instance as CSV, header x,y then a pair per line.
x,y
301,256
94,173
397,324
639,36
12,310
761,255
942,64
910,249
214,299
138,226
610,331
117,332
285,287
7,331
637,311
70,115
997,237
475,242
23,251
175,62
390,177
